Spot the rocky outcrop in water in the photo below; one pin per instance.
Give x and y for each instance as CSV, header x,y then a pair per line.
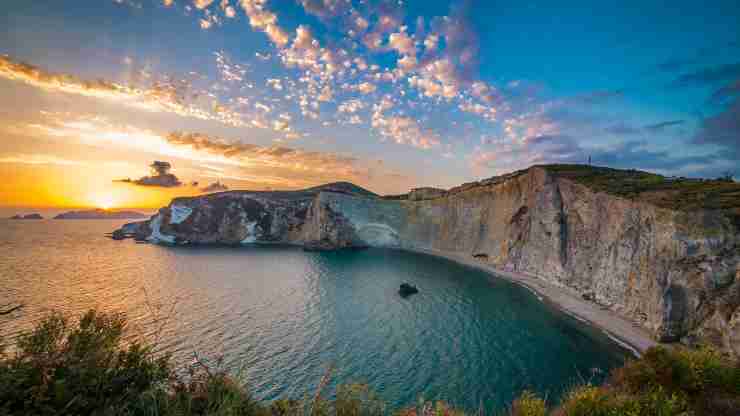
x,y
27,217
100,214
406,290
674,272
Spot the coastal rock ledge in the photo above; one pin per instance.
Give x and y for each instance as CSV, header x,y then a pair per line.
x,y
667,265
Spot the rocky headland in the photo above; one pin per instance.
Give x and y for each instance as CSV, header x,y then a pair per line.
x,y
658,255
27,217
100,214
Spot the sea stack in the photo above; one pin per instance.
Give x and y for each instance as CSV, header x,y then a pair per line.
x,y
407,289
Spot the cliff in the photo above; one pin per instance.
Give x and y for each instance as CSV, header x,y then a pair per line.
x,y
649,248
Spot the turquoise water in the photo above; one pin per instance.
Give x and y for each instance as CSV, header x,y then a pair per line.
x,y
280,316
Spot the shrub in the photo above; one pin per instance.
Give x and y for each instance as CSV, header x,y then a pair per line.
x,y
431,409
602,401
357,400
86,369
702,378
59,369
528,404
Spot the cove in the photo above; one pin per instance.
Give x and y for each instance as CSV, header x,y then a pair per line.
x,y
280,316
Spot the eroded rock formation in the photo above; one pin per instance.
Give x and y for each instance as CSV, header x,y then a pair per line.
x,y
675,272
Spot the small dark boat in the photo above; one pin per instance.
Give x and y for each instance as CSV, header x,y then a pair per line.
x,y
407,290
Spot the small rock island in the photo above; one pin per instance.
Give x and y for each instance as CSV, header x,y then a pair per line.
x,y
406,290
100,214
33,216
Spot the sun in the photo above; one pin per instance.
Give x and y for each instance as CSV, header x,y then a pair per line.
x,y
105,202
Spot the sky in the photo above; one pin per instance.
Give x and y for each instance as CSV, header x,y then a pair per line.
x,y
129,103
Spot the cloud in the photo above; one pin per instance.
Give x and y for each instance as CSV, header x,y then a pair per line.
x,y
726,92
326,8
215,187
39,159
657,127
623,129
205,24
722,129
633,154
167,95
680,63
676,64
598,97
366,88
350,106
160,177
130,3
202,4
405,130
280,165
264,20
709,75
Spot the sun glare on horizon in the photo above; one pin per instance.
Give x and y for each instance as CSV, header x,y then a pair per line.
x,y
104,201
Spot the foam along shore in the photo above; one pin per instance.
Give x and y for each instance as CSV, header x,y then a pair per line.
x,y
622,331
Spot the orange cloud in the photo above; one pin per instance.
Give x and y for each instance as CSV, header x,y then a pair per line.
x,y
278,166
164,96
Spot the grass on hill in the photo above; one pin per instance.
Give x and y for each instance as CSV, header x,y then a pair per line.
x,y
685,194
86,368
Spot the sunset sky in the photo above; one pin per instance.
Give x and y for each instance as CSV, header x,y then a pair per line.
x,y
285,94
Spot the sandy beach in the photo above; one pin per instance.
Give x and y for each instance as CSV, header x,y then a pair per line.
x,y
621,330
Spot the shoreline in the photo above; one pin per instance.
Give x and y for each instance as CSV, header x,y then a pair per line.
x,y
619,329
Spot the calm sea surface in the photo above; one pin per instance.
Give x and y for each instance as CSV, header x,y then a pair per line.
x,y
280,316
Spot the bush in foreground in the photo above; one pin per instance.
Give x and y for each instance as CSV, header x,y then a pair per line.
x,y
87,369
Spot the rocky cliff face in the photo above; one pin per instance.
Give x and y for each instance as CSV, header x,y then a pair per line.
x,y
673,272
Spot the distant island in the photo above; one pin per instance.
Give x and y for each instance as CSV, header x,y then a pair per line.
x,y
27,217
100,214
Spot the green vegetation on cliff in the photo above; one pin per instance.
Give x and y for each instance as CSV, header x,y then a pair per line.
x,y
667,192
87,368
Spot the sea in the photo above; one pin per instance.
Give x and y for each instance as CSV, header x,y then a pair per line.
x,y
280,319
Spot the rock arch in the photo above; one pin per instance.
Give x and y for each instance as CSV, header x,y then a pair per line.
x,y
378,235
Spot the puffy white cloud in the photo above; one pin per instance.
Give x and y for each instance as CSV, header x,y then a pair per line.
x,y
229,11
431,42
202,4
205,24
230,71
401,129
263,19
361,24
402,43
408,62
262,107
326,94
373,41
350,106
366,87
276,35
280,126
405,130
275,84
